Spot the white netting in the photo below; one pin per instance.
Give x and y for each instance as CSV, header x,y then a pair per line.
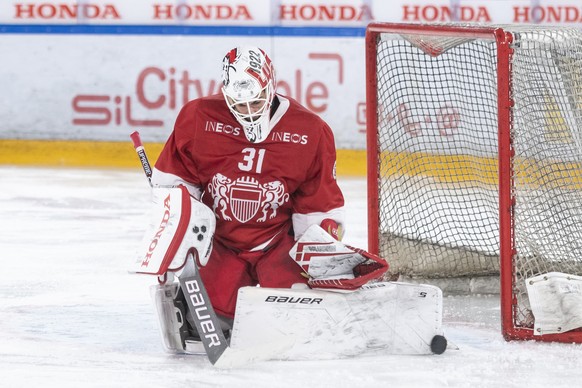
x,y
438,161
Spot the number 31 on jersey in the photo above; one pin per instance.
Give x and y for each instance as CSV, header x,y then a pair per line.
x,y
252,160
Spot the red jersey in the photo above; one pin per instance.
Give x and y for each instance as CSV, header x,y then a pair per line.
x,y
257,190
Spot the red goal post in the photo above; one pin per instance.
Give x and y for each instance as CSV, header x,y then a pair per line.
x,y
475,156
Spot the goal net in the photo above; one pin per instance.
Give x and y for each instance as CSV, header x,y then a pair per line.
x,y
475,156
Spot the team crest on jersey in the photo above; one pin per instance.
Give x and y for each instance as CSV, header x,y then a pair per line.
x,y
245,198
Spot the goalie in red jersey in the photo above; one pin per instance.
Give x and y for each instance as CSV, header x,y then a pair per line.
x,y
265,165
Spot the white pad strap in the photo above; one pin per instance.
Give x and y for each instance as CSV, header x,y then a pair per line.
x,y
178,224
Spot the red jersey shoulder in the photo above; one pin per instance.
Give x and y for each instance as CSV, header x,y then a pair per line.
x,y
300,123
207,114
304,115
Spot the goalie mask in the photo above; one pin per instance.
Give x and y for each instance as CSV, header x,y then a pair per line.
x,y
248,79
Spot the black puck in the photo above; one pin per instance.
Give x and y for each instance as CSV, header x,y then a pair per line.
x,y
438,345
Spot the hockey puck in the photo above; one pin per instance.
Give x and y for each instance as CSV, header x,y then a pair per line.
x,y
438,345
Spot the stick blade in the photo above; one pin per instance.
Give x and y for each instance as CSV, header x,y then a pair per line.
x,y
238,357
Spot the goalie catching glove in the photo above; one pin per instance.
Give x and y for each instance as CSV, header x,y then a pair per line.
x,y
330,264
179,224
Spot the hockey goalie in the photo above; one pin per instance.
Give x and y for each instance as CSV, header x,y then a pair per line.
x,y
245,236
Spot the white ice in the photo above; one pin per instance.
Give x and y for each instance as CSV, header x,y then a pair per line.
x,y
71,315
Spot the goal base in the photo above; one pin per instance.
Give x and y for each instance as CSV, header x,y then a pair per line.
x,y
479,285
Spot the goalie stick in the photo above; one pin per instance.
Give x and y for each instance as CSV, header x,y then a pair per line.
x,y
200,309
143,158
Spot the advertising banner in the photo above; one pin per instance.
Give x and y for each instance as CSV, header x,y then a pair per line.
x,y
100,69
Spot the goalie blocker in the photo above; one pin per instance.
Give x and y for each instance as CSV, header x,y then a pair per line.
x,y
178,224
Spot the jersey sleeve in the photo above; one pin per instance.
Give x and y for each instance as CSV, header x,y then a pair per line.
x,y
319,197
176,164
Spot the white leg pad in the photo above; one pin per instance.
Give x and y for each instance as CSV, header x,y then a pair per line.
x,y
388,317
171,320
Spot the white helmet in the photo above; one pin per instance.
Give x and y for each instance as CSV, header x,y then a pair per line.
x,y
248,79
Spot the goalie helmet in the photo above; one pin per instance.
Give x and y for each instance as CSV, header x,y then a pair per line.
x,y
248,79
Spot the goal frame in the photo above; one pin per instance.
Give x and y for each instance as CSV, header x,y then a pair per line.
x,y
503,40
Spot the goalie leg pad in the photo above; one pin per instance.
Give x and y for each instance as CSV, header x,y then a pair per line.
x,y
171,316
391,318
177,329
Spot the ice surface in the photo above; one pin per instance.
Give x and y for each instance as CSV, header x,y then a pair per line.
x,y
71,315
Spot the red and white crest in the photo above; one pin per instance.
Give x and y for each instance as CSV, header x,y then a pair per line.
x,y
245,198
